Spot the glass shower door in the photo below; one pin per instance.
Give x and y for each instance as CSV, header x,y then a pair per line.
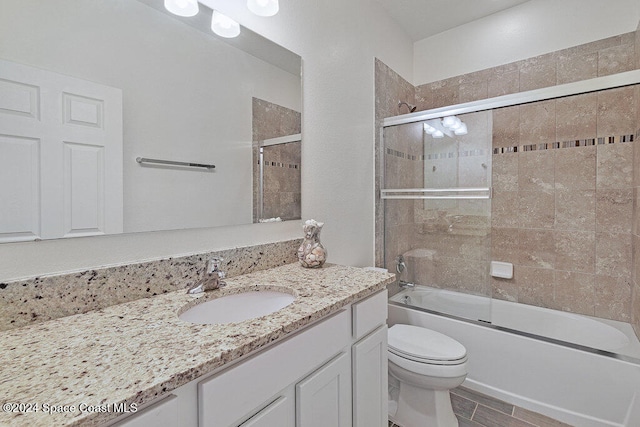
x,y
437,211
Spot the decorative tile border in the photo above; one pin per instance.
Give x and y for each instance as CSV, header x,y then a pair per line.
x,y
282,165
436,156
567,144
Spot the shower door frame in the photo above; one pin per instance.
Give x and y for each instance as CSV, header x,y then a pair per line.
x,y
296,137
569,89
612,81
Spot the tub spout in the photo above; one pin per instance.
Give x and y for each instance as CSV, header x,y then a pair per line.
x,y
406,285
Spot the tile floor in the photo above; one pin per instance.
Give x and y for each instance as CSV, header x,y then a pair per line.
x,y
478,410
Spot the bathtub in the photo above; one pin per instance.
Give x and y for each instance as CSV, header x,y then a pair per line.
x,y
579,370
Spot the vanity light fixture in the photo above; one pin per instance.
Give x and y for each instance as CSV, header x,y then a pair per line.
x,y
184,8
221,24
263,7
224,26
447,126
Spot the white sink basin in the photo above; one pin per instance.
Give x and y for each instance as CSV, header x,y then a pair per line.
x,y
237,307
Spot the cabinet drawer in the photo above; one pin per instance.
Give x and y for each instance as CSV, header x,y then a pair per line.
x,y
257,379
369,313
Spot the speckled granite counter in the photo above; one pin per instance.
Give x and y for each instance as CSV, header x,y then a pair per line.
x,y
137,351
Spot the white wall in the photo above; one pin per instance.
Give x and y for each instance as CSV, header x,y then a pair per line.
x,y
524,31
187,97
338,41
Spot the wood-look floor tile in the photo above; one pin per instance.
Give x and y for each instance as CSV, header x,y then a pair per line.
x,y
537,419
462,406
490,417
463,422
482,399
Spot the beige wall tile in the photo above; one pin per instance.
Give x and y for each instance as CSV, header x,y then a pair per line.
x,y
576,117
536,170
614,210
616,59
635,309
505,209
613,298
598,45
577,67
614,254
537,248
614,166
504,289
575,168
575,292
616,112
505,244
537,122
463,275
538,76
575,210
575,251
504,83
635,272
505,172
506,127
536,209
635,223
535,286
472,91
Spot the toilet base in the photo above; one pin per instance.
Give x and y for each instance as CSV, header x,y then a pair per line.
x,y
419,407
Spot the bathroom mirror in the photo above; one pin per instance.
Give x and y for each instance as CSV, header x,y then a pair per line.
x,y
182,94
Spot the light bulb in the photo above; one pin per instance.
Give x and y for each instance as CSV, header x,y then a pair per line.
x,y
263,7
438,134
456,124
224,26
184,8
448,121
462,130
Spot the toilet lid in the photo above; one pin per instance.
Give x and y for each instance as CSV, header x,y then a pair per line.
x,y
419,343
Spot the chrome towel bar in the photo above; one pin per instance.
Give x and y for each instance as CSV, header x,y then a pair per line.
x,y
174,163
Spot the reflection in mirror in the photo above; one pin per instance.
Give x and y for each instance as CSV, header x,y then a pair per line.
x,y
276,162
89,86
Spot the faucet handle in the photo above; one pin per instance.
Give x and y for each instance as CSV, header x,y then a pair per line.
x,y
213,265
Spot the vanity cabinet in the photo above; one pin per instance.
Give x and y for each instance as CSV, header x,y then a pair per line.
x,y
331,373
324,397
163,413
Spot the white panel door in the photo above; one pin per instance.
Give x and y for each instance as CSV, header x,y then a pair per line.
x,y
61,155
370,395
324,397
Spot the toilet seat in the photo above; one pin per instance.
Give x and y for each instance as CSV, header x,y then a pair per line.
x,y
425,346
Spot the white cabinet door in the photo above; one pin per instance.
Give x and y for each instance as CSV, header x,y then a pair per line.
x,y
324,398
370,400
60,155
279,413
161,414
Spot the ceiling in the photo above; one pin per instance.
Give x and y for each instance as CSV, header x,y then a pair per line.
x,y
424,18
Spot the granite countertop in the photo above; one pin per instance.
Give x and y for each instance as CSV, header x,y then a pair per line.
x,y
137,351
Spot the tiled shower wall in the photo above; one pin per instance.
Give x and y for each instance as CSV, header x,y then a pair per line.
x,y
635,293
282,194
563,214
389,89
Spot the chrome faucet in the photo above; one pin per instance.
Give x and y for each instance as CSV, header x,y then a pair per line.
x,y
211,279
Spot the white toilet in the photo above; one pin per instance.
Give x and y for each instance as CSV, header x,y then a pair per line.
x,y
426,364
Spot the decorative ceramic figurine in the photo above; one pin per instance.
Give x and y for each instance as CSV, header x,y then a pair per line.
x,y
311,253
